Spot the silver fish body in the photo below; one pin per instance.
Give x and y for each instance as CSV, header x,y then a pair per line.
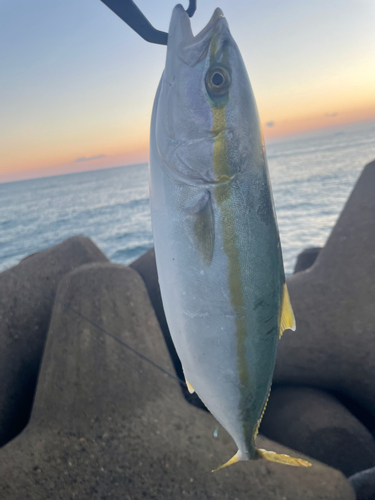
x,y
216,239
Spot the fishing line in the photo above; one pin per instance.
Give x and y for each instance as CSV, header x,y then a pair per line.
x,y
111,335
123,344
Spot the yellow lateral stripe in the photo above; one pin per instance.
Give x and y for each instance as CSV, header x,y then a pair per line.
x,y
286,314
222,194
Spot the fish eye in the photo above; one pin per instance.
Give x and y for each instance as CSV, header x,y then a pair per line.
x,y
217,81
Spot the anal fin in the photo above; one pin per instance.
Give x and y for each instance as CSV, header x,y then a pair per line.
x,y
283,459
287,319
190,387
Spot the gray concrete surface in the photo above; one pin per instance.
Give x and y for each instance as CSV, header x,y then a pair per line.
x,y
106,424
27,293
334,344
306,259
364,484
316,423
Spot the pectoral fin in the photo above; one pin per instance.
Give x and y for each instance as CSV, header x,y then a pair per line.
x,y
286,314
201,223
283,459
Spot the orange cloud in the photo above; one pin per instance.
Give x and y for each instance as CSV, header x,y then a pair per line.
x,y
288,127
53,153
95,163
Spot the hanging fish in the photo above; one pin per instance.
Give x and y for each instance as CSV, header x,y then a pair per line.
x,y
216,239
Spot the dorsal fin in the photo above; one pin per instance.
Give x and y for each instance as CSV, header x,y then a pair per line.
x,y
287,319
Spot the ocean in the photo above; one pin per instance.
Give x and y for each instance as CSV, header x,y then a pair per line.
x,y
311,179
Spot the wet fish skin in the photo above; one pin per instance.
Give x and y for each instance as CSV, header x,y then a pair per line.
x,y
216,239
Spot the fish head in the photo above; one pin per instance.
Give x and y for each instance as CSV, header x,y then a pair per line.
x,y
207,127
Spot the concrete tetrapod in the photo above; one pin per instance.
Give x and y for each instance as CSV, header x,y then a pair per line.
x,y
364,484
27,293
334,344
314,422
306,259
107,424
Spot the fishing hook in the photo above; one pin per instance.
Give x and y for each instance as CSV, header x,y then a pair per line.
x,y
130,13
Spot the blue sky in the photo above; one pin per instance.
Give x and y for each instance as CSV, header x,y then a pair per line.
x,y
76,82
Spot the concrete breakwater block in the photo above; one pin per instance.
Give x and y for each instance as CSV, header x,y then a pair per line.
x,y
364,484
314,422
108,424
27,293
334,344
306,259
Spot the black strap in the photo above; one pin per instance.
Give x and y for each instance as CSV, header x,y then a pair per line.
x,y
130,13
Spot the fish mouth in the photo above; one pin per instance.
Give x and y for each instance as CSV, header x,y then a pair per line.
x,y
216,16
192,48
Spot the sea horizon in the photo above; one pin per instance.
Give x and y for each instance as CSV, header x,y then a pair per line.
x,y
311,178
321,133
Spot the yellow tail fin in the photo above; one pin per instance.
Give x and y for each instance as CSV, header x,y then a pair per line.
x,y
236,458
283,459
268,455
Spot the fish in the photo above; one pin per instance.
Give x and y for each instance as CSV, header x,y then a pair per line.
x,y
217,245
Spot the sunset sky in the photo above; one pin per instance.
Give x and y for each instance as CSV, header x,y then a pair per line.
x,y
77,85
